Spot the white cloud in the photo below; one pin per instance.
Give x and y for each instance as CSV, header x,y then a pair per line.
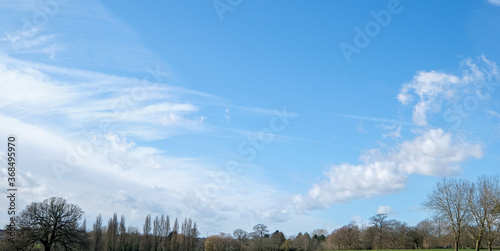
x,y
385,210
395,133
432,89
372,119
433,153
91,100
493,113
494,2
89,128
428,86
357,219
118,175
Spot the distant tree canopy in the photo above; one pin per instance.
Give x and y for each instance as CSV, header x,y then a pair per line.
x,y
466,215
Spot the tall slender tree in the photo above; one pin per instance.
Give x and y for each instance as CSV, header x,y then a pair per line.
x,y
96,237
112,233
122,235
146,234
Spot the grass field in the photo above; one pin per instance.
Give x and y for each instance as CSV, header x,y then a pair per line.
x,y
441,249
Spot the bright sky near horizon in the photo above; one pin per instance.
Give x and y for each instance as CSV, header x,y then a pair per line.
x,y
293,114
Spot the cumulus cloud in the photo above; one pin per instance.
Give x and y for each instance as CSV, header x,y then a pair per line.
x,y
385,210
434,153
429,90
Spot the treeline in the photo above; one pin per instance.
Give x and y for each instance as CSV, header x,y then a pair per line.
x,y
55,224
466,215
157,234
380,233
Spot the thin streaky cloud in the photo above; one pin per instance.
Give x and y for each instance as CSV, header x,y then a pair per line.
x,y
372,119
266,111
496,114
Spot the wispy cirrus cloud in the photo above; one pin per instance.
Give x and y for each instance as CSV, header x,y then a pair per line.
x,y
108,173
86,101
372,119
86,134
430,90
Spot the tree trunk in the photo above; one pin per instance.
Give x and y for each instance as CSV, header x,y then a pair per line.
x,y
456,244
490,244
478,241
46,247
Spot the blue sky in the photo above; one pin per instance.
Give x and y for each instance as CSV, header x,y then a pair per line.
x,y
233,113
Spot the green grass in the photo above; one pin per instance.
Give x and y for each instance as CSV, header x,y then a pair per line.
x,y
439,249
38,246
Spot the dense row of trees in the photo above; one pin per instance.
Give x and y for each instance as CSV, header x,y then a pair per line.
x,y
466,214
157,234
55,224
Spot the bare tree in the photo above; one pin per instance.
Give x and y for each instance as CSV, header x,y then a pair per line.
x,y
348,236
241,236
380,223
302,242
320,233
442,230
52,223
482,203
216,243
416,236
428,231
259,232
449,199
400,235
